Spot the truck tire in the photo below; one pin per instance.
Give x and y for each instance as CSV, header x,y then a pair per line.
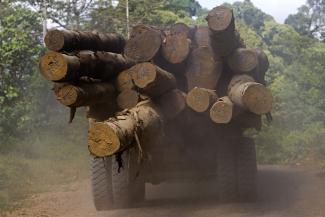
x,y
226,172
101,184
128,184
114,187
246,171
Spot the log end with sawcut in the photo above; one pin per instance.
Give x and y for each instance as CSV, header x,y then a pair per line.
x,y
257,98
200,99
124,81
128,99
176,48
220,19
243,60
55,66
143,74
144,44
221,111
54,40
66,94
180,28
102,140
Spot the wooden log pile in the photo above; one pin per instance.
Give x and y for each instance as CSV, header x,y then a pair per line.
x,y
178,76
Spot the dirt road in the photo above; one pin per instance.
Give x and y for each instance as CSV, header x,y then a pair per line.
x,y
283,192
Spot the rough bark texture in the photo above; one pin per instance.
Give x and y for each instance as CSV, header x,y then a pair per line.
x,y
98,65
249,95
222,110
201,99
144,43
115,135
176,48
202,69
66,40
152,80
84,94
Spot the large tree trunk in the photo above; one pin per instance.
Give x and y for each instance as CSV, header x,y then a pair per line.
x,y
152,80
221,111
65,40
117,134
98,65
249,95
84,94
202,69
201,99
144,43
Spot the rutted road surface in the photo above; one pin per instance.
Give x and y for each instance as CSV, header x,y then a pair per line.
x,y
282,192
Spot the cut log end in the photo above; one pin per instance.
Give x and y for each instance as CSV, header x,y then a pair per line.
x,y
54,40
200,99
144,44
243,60
220,18
53,66
257,98
66,94
221,111
143,74
128,99
102,140
176,48
124,81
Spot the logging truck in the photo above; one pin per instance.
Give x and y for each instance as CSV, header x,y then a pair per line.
x,y
164,104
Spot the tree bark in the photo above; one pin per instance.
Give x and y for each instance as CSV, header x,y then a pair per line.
x,y
176,48
152,80
144,44
117,134
84,94
221,111
249,95
66,40
98,65
202,69
201,99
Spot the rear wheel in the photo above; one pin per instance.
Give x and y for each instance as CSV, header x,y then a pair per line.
x,y
114,187
246,170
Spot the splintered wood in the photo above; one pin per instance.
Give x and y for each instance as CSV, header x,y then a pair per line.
x,y
183,77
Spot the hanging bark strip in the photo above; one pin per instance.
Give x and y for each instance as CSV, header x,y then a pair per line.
x,y
117,134
67,40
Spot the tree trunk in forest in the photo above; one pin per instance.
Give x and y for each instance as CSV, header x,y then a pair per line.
x,y
66,40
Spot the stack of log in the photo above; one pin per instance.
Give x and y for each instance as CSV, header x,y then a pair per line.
x,y
134,88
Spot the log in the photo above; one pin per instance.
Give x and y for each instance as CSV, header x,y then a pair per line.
x,y
224,45
152,80
176,48
128,99
101,111
249,95
243,60
66,40
124,81
172,103
60,67
180,28
263,66
221,19
201,99
202,69
117,134
84,94
221,111
201,37
144,44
